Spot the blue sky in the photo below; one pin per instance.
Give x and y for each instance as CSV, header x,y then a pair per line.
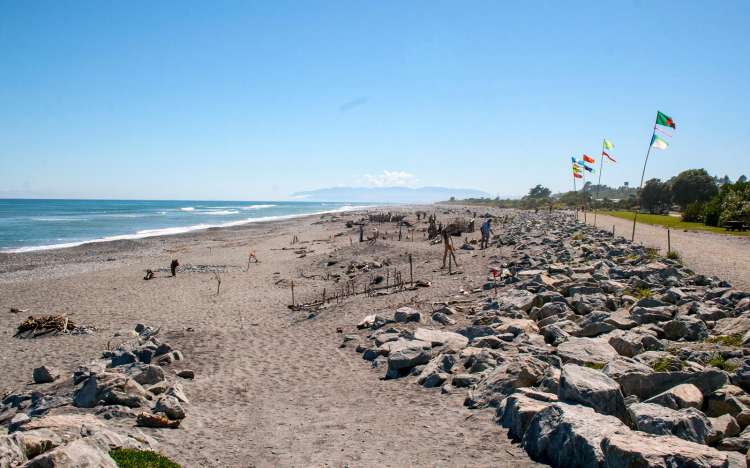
x,y
255,100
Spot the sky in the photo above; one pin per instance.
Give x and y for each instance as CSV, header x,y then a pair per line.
x,y
243,100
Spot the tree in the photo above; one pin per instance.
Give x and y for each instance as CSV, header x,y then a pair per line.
x,y
539,192
655,196
742,178
693,185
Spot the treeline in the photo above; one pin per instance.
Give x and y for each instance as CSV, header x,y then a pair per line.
x,y
699,196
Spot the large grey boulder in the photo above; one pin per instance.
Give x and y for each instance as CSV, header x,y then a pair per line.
x,y
592,388
647,385
437,371
407,314
170,406
404,358
516,298
636,449
515,372
631,343
679,397
584,351
110,389
685,328
621,366
79,453
595,324
565,435
688,423
518,410
45,374
441,338
658,314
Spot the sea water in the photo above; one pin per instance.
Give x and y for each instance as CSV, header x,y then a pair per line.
x,y
32,224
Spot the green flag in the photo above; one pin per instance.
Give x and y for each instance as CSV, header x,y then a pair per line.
x,y
607,144
663,119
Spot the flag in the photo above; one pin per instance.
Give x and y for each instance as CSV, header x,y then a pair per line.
x,y
604,153
663,119
577,176
589,159
659,142
576,169
572,158
607,145
581,163
590,169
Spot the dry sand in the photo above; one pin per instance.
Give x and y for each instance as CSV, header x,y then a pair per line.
x,y
272,388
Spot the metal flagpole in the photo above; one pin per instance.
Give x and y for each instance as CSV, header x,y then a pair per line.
x,y
575,189
640,191
601,166
583,192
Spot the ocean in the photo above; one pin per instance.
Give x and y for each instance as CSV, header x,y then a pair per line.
x,y
27,225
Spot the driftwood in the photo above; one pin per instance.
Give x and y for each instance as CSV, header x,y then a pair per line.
x,y
34,327
157,421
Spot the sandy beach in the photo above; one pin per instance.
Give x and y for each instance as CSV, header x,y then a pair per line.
x,y
272,387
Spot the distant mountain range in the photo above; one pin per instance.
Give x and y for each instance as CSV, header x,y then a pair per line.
x,y
388,194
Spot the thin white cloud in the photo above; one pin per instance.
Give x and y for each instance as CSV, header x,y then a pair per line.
x,y
390,179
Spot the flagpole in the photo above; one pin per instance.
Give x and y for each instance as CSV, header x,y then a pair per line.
x,y
640,191
601,166
583,194
575,189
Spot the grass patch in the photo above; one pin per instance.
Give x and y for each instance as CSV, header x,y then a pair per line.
x,y
577,236
667,364
672,222
130,458
674,255
726,340
594,365
640,293
718,361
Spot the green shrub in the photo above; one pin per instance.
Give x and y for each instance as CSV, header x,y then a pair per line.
x,y
674,255
712,211
667,364
726,340
641,293
694,213
718,361
736,204
130,458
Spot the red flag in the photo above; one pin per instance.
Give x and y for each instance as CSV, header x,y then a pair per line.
x,y
577,176
589,159
604,153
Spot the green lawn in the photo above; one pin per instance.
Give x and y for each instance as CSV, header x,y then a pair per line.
x,y
672,222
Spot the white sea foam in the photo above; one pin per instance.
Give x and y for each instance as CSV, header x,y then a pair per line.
x,y
188,208
219,212
178,230
256,207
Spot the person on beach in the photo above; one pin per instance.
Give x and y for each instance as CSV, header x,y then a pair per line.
x,y
448,248
486,231
173,267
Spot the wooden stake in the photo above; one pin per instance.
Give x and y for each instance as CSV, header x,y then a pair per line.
x,y
669,241
411,275
291,283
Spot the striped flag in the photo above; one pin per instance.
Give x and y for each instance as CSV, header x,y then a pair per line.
x,y
604,153
658,142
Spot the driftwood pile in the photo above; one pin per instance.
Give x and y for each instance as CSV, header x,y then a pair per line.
x,y
34,327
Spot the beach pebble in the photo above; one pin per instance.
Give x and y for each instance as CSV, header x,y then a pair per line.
x,y
186,374
45,374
